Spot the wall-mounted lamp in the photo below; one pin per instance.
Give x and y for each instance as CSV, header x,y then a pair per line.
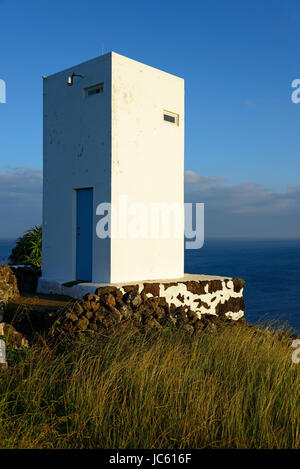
x,y
71,78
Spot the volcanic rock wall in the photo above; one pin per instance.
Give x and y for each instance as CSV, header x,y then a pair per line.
x,y
8,284
192,305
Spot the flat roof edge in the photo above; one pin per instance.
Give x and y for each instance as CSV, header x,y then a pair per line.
x,y
105,57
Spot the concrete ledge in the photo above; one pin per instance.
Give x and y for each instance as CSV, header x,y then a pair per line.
x,y
203,294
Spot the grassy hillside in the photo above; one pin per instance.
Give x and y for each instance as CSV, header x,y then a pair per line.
x,y
237,388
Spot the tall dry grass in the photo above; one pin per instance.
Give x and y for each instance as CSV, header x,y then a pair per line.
x,y
231,389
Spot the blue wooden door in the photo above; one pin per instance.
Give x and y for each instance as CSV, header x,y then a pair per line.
x,y
84,234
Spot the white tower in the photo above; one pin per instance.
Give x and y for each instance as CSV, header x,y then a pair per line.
x,y
116,134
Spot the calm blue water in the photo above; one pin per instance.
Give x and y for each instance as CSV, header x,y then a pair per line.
x,y
271,269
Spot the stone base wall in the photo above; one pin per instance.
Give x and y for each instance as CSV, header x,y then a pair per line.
x,y
27,277
217,297
193,303
202,294
8,284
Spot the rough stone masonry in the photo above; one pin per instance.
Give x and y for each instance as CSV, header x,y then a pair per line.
x,y
202,294
192,303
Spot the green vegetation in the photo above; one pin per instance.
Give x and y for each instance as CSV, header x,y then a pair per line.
x,y
28,249
235,388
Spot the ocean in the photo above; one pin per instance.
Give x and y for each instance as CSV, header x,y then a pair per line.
x,y
271,269
6,246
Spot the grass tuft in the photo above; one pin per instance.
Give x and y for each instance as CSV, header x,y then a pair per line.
x,y
233,389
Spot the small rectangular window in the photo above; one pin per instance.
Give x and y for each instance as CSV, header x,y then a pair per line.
x,y
96,89
171,117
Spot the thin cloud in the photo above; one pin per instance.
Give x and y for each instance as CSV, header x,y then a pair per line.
x,y
240,198
246,208
20,201
20,182
192,178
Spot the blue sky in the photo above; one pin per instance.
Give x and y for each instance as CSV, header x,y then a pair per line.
x,y
238,59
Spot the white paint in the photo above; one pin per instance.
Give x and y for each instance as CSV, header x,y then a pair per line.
x,y
190,299
118,143
235,316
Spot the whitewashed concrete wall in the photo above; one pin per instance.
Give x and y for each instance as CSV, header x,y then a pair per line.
x,y
147,164
77,154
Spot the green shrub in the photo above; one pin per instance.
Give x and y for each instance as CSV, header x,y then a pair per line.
x,y
28,249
